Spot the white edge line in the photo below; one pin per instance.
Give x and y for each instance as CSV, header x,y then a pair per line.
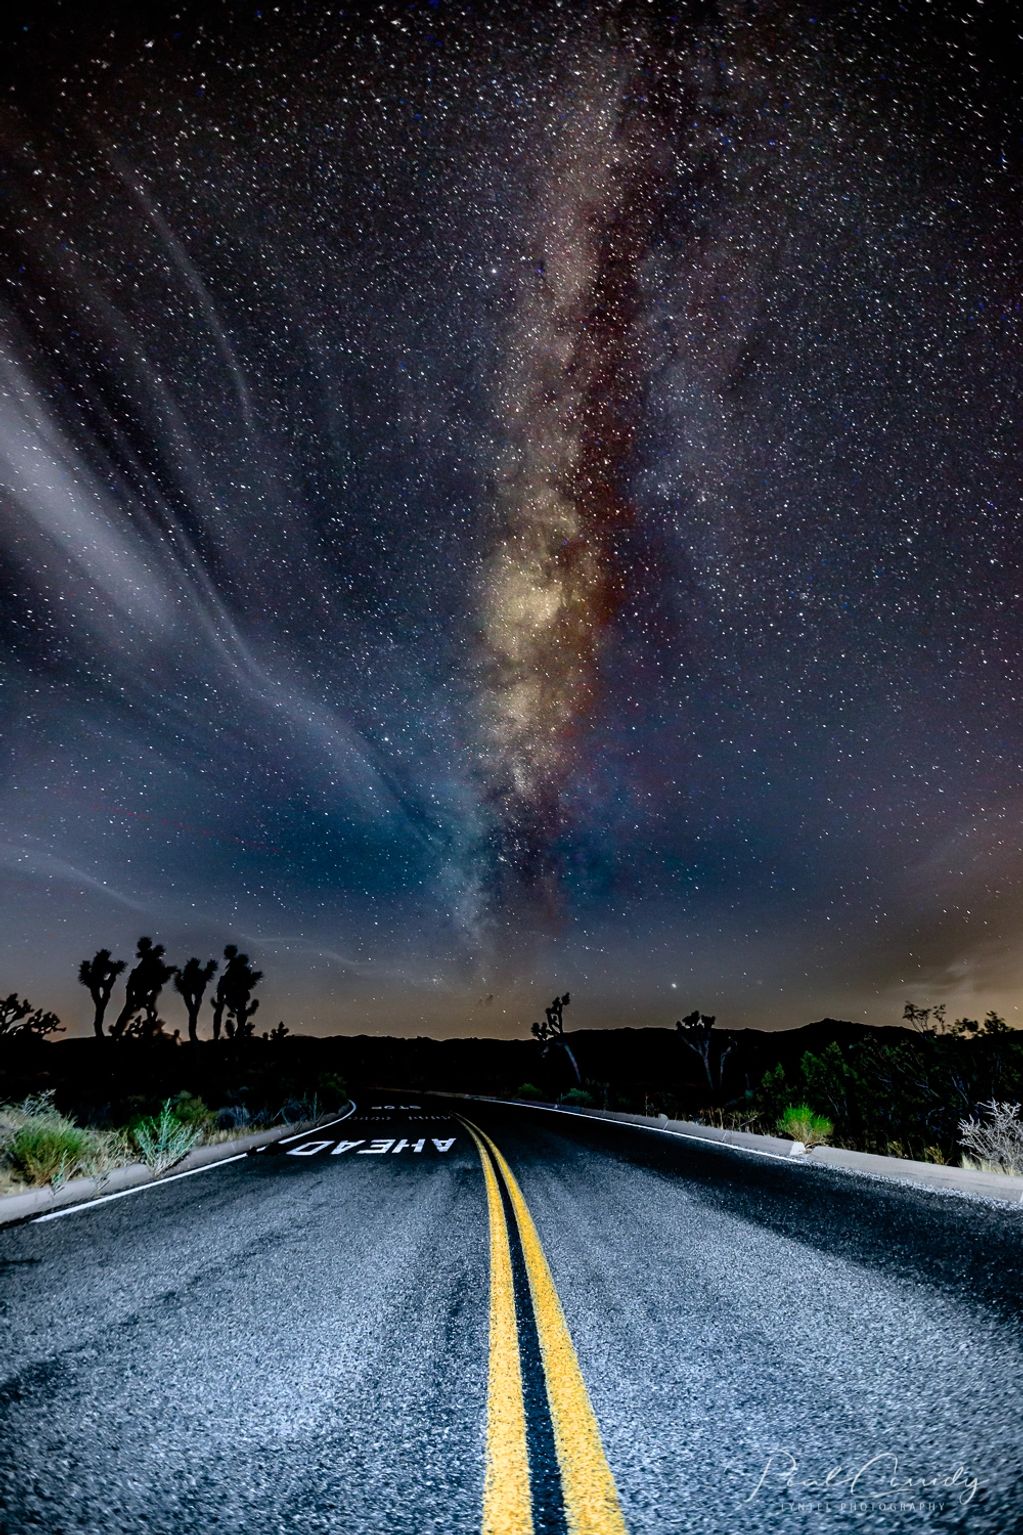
x,y
104,1199
142,1188
628,1124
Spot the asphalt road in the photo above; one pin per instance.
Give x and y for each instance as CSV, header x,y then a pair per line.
x,y
395,1327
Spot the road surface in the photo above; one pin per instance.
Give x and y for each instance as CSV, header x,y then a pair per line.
x,y
456,1317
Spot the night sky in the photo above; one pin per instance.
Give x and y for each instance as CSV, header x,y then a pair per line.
x,y
499,499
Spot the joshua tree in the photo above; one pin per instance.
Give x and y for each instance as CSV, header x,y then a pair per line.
x,y
281,1031
219,999
148,1025
145,983
695,1030
233,1003
98,975
241,1004
552,1032
20,1020
191,981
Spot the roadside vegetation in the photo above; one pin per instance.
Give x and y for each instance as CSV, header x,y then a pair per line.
x,y
145,1091
935,1089
800,1123
929,1088
40,1145
940,1093
993,1140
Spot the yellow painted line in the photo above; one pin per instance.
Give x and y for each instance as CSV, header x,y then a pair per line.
x,y
588,1486
507,1504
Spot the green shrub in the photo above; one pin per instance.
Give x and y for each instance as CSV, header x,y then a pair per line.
x,y
773,1094
190,1110
39,1145
528,1090
163,1140
801,1123
48,1150
107,1150
578,1098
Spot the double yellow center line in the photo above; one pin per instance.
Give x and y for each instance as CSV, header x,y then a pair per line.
x,y
588,1487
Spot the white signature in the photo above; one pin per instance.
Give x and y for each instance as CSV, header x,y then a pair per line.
x,y
879,1476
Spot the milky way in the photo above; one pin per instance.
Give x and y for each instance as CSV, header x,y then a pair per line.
x,y
556,579
507,498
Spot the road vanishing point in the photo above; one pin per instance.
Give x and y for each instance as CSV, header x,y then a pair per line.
x,y
437,1317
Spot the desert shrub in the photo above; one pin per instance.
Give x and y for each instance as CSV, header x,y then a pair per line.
x,y
528,1090
14,1115
163,1140
188,1109
48,1153
773,1094
996,1140
107,1150
137,1111
234,1117
830,1080
801,1123
296,1111
578,1098
40,1145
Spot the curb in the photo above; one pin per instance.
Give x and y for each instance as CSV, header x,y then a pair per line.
x,y
19,1207
775,1146
931,1175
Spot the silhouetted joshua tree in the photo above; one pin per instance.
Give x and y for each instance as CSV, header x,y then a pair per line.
x,y
145,983
148,1025
695,1029
276,1034
220,996
233,1002
218,1002
552,1032
191,980
20,1020
98,975
241,1004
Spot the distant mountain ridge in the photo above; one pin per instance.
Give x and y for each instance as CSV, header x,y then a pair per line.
x,y
627,1062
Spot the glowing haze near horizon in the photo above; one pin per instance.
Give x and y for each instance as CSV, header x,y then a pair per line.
x,y
507,498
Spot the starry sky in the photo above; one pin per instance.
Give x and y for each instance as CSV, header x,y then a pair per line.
x,y
498,498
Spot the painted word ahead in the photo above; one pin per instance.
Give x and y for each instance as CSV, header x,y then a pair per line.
x,y
369,1148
